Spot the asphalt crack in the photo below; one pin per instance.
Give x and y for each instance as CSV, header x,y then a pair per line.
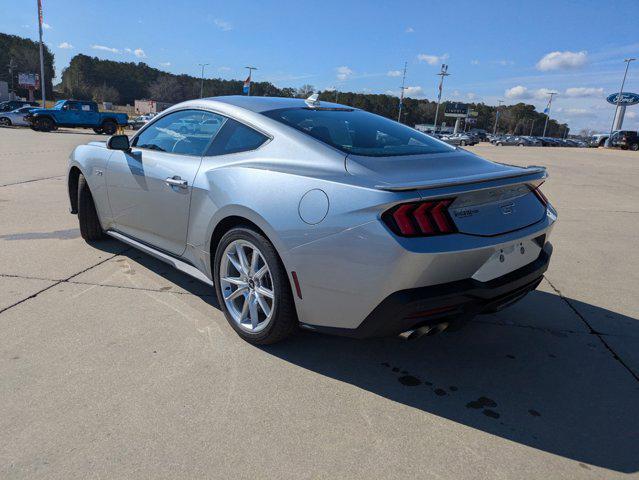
x,y
599,335
30,181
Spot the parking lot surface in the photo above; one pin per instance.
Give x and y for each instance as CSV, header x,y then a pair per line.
x,y
113,365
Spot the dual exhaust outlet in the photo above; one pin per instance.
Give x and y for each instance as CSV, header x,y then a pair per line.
x,y
426,330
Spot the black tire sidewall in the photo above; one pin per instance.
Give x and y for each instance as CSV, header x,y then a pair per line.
x,y
278,276
109,128
5,122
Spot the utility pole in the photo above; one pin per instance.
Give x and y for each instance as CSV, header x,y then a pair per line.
x,y
250,69
547,111
497,116
401,94
623,82
42,79
442,73
202,78
532,125
11,66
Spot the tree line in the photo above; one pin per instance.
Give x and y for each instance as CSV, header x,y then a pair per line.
x,y
24,56
89,78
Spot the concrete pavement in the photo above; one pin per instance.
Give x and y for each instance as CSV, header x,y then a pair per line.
x,y
113,365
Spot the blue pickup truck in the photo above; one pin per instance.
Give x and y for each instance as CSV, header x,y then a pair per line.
x,y
76,113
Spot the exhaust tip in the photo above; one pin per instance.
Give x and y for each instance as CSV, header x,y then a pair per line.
x,y
426,330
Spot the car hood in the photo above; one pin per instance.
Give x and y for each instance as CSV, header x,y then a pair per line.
x,y
431,170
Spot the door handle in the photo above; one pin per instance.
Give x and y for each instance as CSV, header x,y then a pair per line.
x,y
176,181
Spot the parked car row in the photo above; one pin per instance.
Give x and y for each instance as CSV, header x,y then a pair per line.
x,y
456,139
530,141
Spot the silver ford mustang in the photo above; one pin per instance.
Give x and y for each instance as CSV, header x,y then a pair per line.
x,y
318,215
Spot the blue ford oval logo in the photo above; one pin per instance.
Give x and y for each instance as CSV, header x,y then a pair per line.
x,y
627,98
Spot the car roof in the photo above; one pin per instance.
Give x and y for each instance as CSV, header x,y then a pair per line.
x,y
264,104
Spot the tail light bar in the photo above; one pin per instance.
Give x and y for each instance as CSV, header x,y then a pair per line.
x,y
540,196
420,219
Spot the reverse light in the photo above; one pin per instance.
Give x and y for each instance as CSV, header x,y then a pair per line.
x,y
420,219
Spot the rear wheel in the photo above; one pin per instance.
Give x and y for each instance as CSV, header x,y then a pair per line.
x,y
634,147
252,287
98,130
499,144
5,122
90,227
109,127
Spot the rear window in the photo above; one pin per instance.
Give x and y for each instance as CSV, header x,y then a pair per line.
x,y
358,132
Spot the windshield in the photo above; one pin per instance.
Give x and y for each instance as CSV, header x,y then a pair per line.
x,y
358,132
58,104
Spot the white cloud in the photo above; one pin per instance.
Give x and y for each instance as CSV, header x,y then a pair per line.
x,y
224,69
518,92
409,30
223,25
138,52
343,72
46,26
432,59
65,46
562,60
105,49
631,114
474,62
128,50
414,92
394,73
577,92
577,112
471,96
504,62
165,64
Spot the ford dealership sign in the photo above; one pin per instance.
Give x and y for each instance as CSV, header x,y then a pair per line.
x,y
627,98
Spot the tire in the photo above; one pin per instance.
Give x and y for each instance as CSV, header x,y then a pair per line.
x,y
499,144
109,127
44,124
462,143
634,147
98,130
281,322
5,122
90,227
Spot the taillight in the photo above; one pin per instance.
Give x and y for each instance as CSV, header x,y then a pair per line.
x,y
420,219
540,196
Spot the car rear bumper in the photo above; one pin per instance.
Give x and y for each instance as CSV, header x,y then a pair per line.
x,y
454,301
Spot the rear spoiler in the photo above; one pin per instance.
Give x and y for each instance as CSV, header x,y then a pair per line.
x,y
528,174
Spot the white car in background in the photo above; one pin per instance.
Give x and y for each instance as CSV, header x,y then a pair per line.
x,y
15,117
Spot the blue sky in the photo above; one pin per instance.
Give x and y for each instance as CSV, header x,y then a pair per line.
x,y
510,50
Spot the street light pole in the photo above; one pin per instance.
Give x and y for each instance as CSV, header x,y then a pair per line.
x,y
250,69
11,66
42,79
532,125
202,78
623,82
497,116
548,113
401,94
442,73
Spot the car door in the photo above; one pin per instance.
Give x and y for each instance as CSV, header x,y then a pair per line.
x,y
89,114
149,188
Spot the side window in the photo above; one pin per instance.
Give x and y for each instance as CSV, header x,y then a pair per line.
x,y
73,106
187,132
236,137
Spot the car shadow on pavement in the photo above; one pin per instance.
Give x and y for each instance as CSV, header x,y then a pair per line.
x,y
562,392
533,374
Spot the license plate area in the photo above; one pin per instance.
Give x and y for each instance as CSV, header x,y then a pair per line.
x,y
508,258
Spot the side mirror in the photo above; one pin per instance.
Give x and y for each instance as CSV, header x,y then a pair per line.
x,y
119,142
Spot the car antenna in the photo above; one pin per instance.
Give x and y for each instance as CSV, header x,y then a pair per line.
x,y
313,100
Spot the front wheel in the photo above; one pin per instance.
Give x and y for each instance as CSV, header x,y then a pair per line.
x,y
634,147
98,131
109,128
90,227
462,143
252,287
44,124
5,122
499,144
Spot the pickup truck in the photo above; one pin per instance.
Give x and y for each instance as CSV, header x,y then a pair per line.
x,y
76,113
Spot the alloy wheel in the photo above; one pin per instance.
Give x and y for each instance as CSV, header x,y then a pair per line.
x,y
5,122
247,286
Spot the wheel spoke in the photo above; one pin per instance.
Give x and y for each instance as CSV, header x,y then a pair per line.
x,y
235,263
241,255
235,281
253,312
238,291
260,273
254,259
265,292
245,307
263,304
